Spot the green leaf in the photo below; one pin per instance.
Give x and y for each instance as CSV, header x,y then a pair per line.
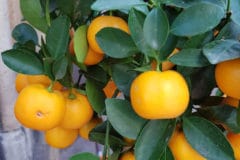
x,y
60,67
153,139
96,73
230,31
198,130
235,11
222,114
221,50
116,43
190,58
24,32
198,41
100,5
197,19
135,22
156,28
167,155
84,156
80,43
95,95
168,47
58,36
23,61
187,3
120,113
123,75
98,134
33,13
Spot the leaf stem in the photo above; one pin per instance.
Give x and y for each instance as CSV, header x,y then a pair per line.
x,y
228,6
106,145
47,13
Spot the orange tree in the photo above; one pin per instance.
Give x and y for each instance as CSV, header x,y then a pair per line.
x,y
149,106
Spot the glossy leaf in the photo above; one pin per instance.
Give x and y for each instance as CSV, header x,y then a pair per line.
x,y
153,139
222,114
198,130
156,28
95,95
116,43
167,155
33,13
187,3
80,43
230,31
221,50
235,11
58,36
23,33
23,61
60,67
189,23
84,156
123,75
120,113
98,134
101,5
190,58
97,73
135,22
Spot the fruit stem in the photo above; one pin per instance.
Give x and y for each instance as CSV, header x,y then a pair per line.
x,y
47,13
158,68
50,87
106,145
71,94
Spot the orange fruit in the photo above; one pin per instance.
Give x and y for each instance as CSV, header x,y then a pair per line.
x,y
110,89
78,111
101,22
129,141
159,95
129,155
39,109
227,75
61,138
85,129
92,57
181,149
231,101
166,65
21,81
234,140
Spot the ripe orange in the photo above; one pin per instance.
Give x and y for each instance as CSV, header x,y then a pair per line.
x,y
234,140
101,22
21,82
227,75
181,149
78,111
166,65
39,109
129,141
231,101
159,95
92,57
127,156
61,138
85,129
110,89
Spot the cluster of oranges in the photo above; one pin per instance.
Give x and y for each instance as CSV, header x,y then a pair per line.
x,y
65,114
62,114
